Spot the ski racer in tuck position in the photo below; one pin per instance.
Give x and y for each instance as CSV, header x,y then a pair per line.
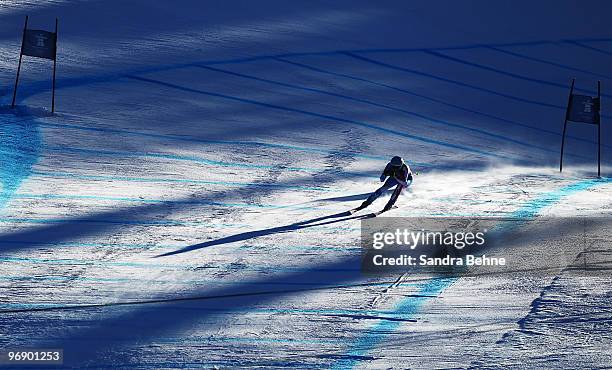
x,y
398,174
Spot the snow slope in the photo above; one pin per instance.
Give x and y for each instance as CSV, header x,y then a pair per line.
x,y
187,192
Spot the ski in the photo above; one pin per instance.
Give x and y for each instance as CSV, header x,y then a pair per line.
x,y
372,214
354,210
376,214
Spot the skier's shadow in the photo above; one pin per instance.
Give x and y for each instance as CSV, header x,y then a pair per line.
x,y
346,198
337,217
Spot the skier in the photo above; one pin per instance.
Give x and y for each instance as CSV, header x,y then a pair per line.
x,y
399,175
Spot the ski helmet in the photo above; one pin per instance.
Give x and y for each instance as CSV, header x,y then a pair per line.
x,y
397,161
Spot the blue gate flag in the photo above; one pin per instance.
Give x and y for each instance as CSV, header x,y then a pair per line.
x,y
584,108
41,44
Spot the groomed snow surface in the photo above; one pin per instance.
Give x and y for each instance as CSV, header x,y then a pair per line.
x,y
187,191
